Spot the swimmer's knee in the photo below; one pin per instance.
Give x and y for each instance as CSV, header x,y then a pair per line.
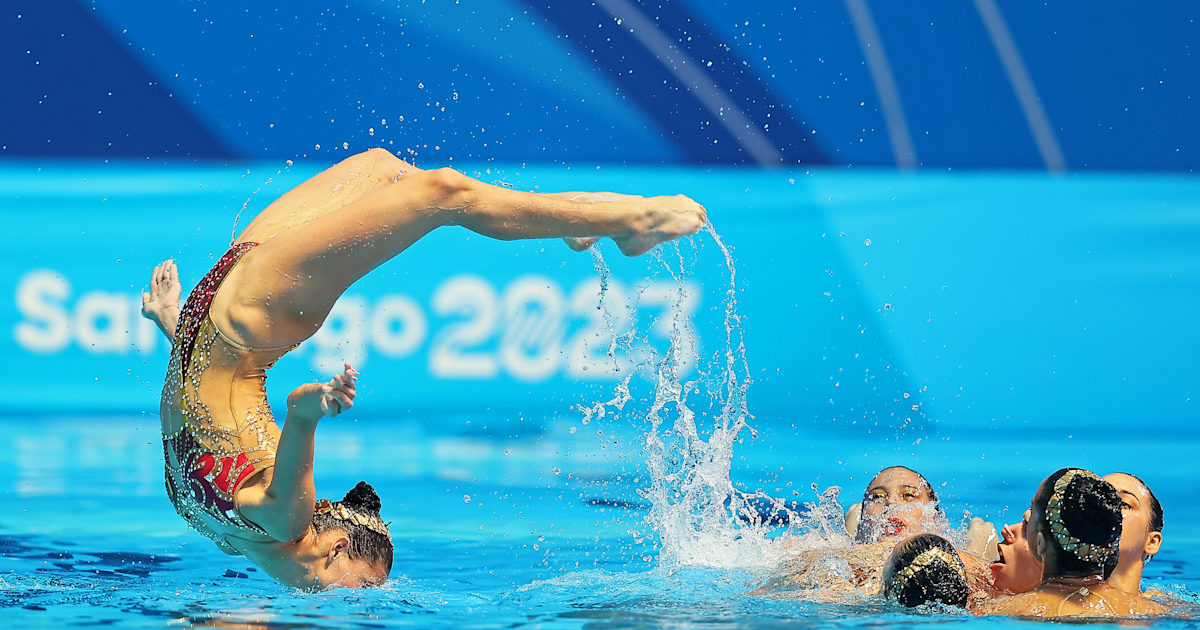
x,y
441,188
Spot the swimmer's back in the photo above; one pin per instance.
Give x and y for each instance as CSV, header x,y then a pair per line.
x,y
1098,601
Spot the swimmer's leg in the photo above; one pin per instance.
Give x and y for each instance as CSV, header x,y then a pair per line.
x,y
332,189
281,292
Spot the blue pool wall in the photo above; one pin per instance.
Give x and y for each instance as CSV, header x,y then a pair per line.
x,y
873,299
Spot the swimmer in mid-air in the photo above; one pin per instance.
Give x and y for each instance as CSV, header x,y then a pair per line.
x,y
231,472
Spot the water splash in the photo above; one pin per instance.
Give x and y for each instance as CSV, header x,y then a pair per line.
x,y
691,426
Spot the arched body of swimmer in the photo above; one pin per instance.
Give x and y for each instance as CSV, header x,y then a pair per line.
x,y
1017,571
231,472
1074,529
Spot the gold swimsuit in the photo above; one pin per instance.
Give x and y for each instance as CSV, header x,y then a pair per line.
x,y
218,430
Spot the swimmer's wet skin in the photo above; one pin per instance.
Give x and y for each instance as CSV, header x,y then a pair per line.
x,y
1092,527
1073,528
231,472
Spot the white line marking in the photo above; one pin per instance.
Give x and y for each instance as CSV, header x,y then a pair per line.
x,y
1018,76
885,83
716,101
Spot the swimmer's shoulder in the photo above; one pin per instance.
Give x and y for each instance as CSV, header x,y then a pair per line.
x,y
1142,605
1033,604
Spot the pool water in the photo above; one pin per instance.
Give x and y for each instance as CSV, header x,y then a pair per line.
x,y
538,514
537,536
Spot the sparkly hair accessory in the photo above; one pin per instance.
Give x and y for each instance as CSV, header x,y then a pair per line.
x,y
920,563
343,513
1088,552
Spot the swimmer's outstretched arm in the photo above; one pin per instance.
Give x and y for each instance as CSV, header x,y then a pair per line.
x,y
161,304
285,508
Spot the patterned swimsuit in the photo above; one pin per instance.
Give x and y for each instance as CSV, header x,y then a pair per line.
x,y
218,430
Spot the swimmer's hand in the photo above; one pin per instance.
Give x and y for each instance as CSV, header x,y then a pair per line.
x,y
312,401
161,304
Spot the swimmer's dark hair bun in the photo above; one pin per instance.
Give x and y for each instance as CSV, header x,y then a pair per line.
x,y
1091,510
363,498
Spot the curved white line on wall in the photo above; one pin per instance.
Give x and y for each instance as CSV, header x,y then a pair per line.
x,y
1018,76
711,96
885,83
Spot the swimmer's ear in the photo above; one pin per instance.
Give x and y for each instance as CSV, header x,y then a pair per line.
x,y
1153,544
1039,546
340,547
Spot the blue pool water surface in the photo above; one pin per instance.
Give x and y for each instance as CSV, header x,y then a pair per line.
x,y
986,356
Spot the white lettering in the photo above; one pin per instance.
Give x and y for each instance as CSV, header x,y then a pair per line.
x,y
102,322
404,311
531,347
340,339
40,296
450,356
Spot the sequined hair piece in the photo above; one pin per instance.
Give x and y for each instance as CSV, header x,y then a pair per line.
x,y
1088,552
919,564
340,512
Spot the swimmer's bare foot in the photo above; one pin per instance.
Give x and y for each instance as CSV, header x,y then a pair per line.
x,y
581,243
161,304
666,218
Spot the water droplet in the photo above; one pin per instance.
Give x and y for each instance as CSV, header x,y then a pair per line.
x,y
466,498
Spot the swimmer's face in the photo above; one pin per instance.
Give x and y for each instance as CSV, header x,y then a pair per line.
x,y
1137,541
898,504
330,566
1017,571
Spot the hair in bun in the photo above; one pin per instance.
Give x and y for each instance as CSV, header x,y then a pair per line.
x,y
363,497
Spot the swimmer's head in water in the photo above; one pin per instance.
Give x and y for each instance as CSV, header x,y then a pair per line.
x,y
898,502
1075,518
925,569
359,545
1142,518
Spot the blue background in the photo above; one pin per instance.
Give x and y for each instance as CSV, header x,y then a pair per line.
x,y
965,236
580,83
1014,277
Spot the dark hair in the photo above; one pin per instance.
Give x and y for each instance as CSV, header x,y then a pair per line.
x,y
1156,511
364,542
938,577
1090,511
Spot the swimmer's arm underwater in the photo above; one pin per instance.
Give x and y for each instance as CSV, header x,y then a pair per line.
x,y
285,508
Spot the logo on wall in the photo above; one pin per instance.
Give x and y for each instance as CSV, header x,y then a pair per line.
x,y
531,329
